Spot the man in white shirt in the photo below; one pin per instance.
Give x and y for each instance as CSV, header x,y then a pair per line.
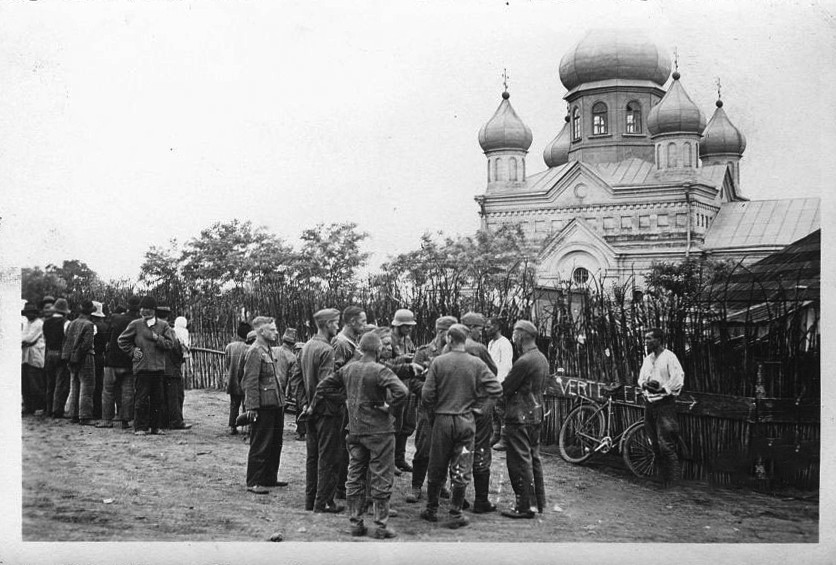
x,y
502,353
661,379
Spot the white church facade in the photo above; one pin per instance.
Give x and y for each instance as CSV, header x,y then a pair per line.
x,y
635,175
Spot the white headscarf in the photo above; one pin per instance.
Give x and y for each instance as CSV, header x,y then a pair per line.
x,y
182,334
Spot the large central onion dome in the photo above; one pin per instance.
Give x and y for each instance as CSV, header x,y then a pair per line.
x,y
505,130
675,112
605,54
720,136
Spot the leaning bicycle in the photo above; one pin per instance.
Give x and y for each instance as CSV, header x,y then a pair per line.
x,y
588,431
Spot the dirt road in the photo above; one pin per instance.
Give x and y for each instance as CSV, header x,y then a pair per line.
x,y
88,484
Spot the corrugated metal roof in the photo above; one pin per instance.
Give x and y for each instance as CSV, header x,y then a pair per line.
x,y
793,273
763,222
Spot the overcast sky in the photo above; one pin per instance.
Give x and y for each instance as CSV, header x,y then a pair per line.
x,y
123,124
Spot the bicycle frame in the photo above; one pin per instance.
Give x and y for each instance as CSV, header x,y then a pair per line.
x,y
607,442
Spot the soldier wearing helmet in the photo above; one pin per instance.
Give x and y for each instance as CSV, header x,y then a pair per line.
x,y
403,352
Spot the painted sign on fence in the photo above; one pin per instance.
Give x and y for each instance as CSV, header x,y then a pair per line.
x,y
571,387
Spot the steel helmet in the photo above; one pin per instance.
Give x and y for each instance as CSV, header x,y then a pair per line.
x,y
403,317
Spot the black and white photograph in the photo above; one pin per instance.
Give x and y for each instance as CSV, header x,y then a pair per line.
x,y
416,282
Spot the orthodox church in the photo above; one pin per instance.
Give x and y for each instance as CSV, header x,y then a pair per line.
x,y
635,175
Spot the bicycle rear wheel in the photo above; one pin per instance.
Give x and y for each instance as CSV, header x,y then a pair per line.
x,y
637,451
581,433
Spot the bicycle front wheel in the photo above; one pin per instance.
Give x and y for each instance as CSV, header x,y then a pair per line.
x,y
581,433
637,451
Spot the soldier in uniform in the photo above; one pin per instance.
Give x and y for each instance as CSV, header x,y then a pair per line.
x,y
371,389
264,402
324,424
423,430
404,351
346,351
455,383
483,414
523,391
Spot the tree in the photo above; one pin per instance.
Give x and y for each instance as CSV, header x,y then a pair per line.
x,y
36,283
232,254
331,256
160,264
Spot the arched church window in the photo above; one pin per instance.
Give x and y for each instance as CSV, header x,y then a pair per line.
x,y
580,275
489,170
576,124
658,156
634,117
686,154
512,169
599,119
672,155
495,169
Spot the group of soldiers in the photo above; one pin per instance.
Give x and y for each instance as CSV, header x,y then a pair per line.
x,y
362,390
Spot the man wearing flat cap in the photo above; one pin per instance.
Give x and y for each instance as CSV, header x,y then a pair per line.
x,y
423,428
523,391
118,390
147,340
483,414
78,353
324,424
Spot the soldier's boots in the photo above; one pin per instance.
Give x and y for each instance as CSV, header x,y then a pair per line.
x,y
522,509
414,495
356,507
456,519
382,512
429,515
481,484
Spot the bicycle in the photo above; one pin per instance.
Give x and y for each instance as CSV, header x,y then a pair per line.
x,y
588,430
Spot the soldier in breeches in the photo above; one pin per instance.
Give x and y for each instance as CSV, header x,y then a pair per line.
x,y
423,429
371,440
455,382
483,415
523,392
324,427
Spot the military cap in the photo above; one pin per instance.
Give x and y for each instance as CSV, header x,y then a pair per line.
x,y
326,315
252,335
527,327
473,319
444,322
289,335
458,332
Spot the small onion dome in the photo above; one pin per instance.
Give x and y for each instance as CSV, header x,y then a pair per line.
x,y
720,135
505,130
675,112
557,151
605,54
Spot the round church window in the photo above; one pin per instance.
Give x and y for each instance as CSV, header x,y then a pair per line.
x,y
580,275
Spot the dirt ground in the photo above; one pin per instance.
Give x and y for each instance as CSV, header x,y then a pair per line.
x,y
88,484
